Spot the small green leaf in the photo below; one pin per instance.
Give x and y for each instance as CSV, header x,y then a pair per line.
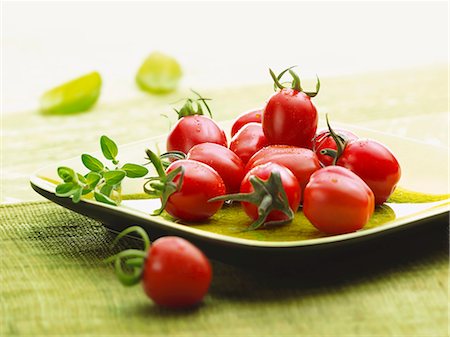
x,y
77,195
92,163
74,96
106,190
103,198
114,177
66,189
109,148
81,178
66,174
92,179
159,74
87,190
134,170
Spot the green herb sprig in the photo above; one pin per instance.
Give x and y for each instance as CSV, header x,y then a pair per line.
x,y
101,180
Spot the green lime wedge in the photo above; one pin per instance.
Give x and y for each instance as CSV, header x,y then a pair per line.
x,y
159,74
74,96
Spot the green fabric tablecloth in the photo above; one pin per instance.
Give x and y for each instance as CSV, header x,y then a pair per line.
x,y
53,281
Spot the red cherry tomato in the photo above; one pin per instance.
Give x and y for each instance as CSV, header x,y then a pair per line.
x,y
176,273
200,183
300,161
337,201
290,118
249,140
324,140
288,181
192,130
373,163
223,160
245,118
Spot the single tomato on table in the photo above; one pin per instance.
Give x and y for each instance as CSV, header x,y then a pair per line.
x,y
337,201
289,117
245,118
174,273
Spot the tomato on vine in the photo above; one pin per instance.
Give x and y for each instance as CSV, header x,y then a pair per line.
x,y
174,273
324,140
289,117
194,128
185,188
269,194
370,160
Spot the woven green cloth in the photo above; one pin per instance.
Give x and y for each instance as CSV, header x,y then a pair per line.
x,y
53,281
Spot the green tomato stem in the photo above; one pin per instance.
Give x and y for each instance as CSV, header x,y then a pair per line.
x,y
153,157
267,196
138,230
162,186
295,84
194,106
341,144
134,259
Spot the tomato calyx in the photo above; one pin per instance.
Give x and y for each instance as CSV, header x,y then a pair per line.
x,y
268,196
295,84
194,106
132,259
341,143
163,185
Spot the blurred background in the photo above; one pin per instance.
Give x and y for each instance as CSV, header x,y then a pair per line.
x,y
218,44
383,66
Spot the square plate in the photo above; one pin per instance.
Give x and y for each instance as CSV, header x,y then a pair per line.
x,y
228,246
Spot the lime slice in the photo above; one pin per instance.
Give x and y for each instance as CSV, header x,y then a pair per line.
x,y
74,96
159,74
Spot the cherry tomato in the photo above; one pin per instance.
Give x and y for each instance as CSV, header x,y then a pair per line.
x,y
249,140
373,163
289,184
245,118
192,130
290,118
300,161
223,160
176,273
324,140
337,201
200,183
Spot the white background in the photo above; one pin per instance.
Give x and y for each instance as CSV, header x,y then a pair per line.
x,y
218,44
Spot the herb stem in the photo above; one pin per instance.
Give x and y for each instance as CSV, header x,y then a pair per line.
x,y
153,157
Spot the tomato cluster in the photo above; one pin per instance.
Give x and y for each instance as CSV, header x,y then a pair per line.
x,y
276,161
